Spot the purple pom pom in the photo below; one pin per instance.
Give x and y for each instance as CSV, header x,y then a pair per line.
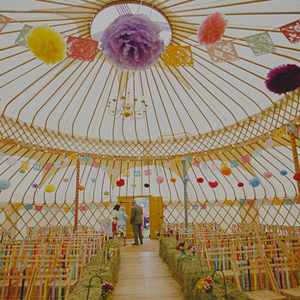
x,y
283,79
132,42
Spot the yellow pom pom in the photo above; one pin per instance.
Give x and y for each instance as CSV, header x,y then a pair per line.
x,y
50,188
46,44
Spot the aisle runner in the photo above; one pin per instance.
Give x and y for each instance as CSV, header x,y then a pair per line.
x,y
144,275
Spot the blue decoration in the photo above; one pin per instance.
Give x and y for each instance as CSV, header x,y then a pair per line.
x,y
36,167
4,184
283,172
28,206
254,182
234,164
137,173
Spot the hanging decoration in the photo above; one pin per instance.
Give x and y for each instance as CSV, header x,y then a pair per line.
x,y
50,188
178,56
136,173
21,39
268,174
35,185
146,185
173,180
28,206
255,182
292,31
48,167
120,182
83,49
36,167
147,172
260,43
213,184
132,42
283,172
127,107
225,170
223,51
246,159
283,79
212,29
4,184
240,184
297,176
81,188
46,44
234,164
24,167
38,207
200,179
159,179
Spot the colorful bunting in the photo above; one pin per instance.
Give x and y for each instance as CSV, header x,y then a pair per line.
x,y
178,56
82,48
223,51
260,43
21,38
292,31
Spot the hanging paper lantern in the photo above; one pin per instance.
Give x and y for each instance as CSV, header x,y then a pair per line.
x,y
297,176
159,179
173,180
50,188
225,170
240,184
47,45
132,42
283,79
254,182
268,174
81,188
212,29
213,184
234,164
38,207
246,159
4,184
200,179
146,185
120,182
283,172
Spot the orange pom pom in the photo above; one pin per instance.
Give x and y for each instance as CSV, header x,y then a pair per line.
x,y
212,29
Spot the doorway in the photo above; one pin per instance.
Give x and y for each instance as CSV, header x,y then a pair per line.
x,y
153,210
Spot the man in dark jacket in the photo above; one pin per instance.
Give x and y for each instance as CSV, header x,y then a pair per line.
x,y
136,221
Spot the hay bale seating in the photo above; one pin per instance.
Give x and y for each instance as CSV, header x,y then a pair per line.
x,y
108,271
187,270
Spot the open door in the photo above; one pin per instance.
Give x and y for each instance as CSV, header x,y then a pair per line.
x,y
156,215
126,202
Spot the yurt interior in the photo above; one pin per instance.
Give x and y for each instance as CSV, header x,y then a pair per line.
x,y
149,149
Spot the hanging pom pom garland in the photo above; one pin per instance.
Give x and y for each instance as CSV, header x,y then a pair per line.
x,y
283,79
213,184
225,170
132,42
254,182
200,179
47,45
240,184
212,29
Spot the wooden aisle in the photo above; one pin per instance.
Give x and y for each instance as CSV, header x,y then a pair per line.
x,y
143,275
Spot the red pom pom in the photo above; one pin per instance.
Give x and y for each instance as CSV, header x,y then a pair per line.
x,y
200,180
120,182
240,184
212,29
297,176
213,184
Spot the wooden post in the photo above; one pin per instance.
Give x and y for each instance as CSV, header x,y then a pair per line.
x,y
295,157
185,194
77,195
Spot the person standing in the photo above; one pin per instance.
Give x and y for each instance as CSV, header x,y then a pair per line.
x,y
122,224
115,215
136,221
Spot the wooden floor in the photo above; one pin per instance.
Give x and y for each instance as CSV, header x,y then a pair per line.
x,y
143,275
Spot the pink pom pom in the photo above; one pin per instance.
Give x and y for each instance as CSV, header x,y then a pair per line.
x,y
212,29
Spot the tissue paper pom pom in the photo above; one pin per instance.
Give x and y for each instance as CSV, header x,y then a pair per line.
x,y
4,184
283,79
47,45
212,29
132,42
50,188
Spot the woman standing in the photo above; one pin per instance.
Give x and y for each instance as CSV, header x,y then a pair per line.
x,y
115,220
